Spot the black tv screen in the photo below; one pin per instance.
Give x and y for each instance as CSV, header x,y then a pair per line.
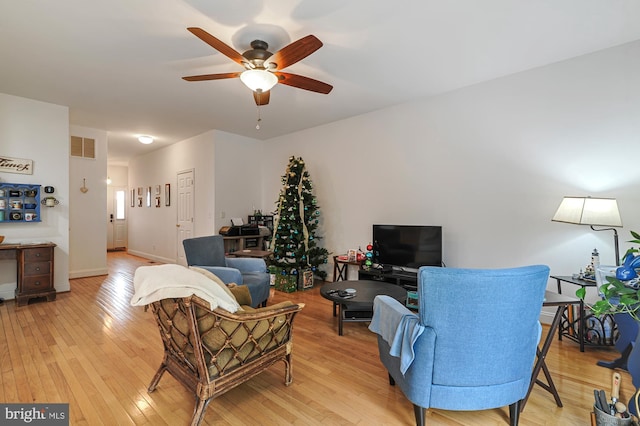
x,y
407,246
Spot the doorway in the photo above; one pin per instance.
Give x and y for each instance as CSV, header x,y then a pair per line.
x,y
117,218
185,208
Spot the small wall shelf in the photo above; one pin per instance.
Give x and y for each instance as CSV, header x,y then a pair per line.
x,y
19,203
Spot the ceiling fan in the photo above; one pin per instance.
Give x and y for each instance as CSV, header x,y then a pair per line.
x,y
263,68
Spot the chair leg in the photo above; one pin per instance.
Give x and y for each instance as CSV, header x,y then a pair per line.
x,y
392,382
419,412
157,377
514,413
198,411
288,378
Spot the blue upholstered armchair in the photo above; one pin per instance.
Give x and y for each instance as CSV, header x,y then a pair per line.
x,y
208,253
473,343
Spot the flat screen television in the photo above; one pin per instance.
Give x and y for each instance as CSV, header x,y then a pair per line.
x,y
407,247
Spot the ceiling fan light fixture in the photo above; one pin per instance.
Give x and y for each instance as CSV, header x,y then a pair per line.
x,y
145,139
259,79
263,69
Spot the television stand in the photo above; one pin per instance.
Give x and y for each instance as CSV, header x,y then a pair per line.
x,y
408,280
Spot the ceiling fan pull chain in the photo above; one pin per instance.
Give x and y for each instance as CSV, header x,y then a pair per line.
x,y
259,118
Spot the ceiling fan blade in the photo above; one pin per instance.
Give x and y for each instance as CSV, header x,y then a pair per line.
x,y
220,46
302,82
262,98
295,51
206,77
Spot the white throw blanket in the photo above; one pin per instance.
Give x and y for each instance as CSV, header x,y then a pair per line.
x,y
153,283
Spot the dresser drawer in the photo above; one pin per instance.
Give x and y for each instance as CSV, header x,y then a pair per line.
x,y
37,254
37,268
36,283
35,272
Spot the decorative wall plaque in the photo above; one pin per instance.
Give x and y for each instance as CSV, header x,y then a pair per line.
x,y
16,165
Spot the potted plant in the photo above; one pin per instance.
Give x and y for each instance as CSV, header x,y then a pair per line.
x,y
617,296
620,296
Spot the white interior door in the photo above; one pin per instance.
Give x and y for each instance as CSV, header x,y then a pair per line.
x,y
120,218
185,207
117,220
110,216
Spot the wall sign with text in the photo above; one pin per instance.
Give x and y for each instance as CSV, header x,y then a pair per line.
x,y
16,165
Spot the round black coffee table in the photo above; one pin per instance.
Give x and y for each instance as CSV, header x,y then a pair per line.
x,y
359,308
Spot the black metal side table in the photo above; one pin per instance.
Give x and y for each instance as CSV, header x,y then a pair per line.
x,y
582,327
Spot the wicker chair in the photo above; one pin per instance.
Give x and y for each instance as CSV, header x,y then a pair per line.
x,y
211,352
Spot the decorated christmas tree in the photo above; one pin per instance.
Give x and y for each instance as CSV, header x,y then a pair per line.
x,y
294,242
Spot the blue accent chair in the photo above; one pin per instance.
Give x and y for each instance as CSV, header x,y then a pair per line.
x,y
472,344
208,253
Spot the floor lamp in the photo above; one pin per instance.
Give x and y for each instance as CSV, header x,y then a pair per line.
x,y
593,212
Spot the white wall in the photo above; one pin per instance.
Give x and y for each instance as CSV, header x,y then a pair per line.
x,y
238,177
152,231
119,175
490,163
37,131
88,256
220,185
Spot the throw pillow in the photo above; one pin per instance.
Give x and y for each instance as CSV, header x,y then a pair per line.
x,y
213,277
239,293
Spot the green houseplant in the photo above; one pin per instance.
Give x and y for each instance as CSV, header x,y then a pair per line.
x,y
617,297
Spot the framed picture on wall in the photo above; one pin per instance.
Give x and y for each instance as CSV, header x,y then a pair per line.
x,y
157,201
157,189
133,197
148,196
167,194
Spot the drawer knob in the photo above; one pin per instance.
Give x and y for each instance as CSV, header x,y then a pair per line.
x,y
37,268
37,254
36,283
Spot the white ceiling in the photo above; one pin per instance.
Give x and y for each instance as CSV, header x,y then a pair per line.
x,y
118,64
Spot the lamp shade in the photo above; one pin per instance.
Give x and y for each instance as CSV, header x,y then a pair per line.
x,y
588,211
258,79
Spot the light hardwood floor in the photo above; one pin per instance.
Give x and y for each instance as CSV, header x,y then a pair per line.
x,y
90,348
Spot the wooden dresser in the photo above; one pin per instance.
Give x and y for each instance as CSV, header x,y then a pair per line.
x,y
35,270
